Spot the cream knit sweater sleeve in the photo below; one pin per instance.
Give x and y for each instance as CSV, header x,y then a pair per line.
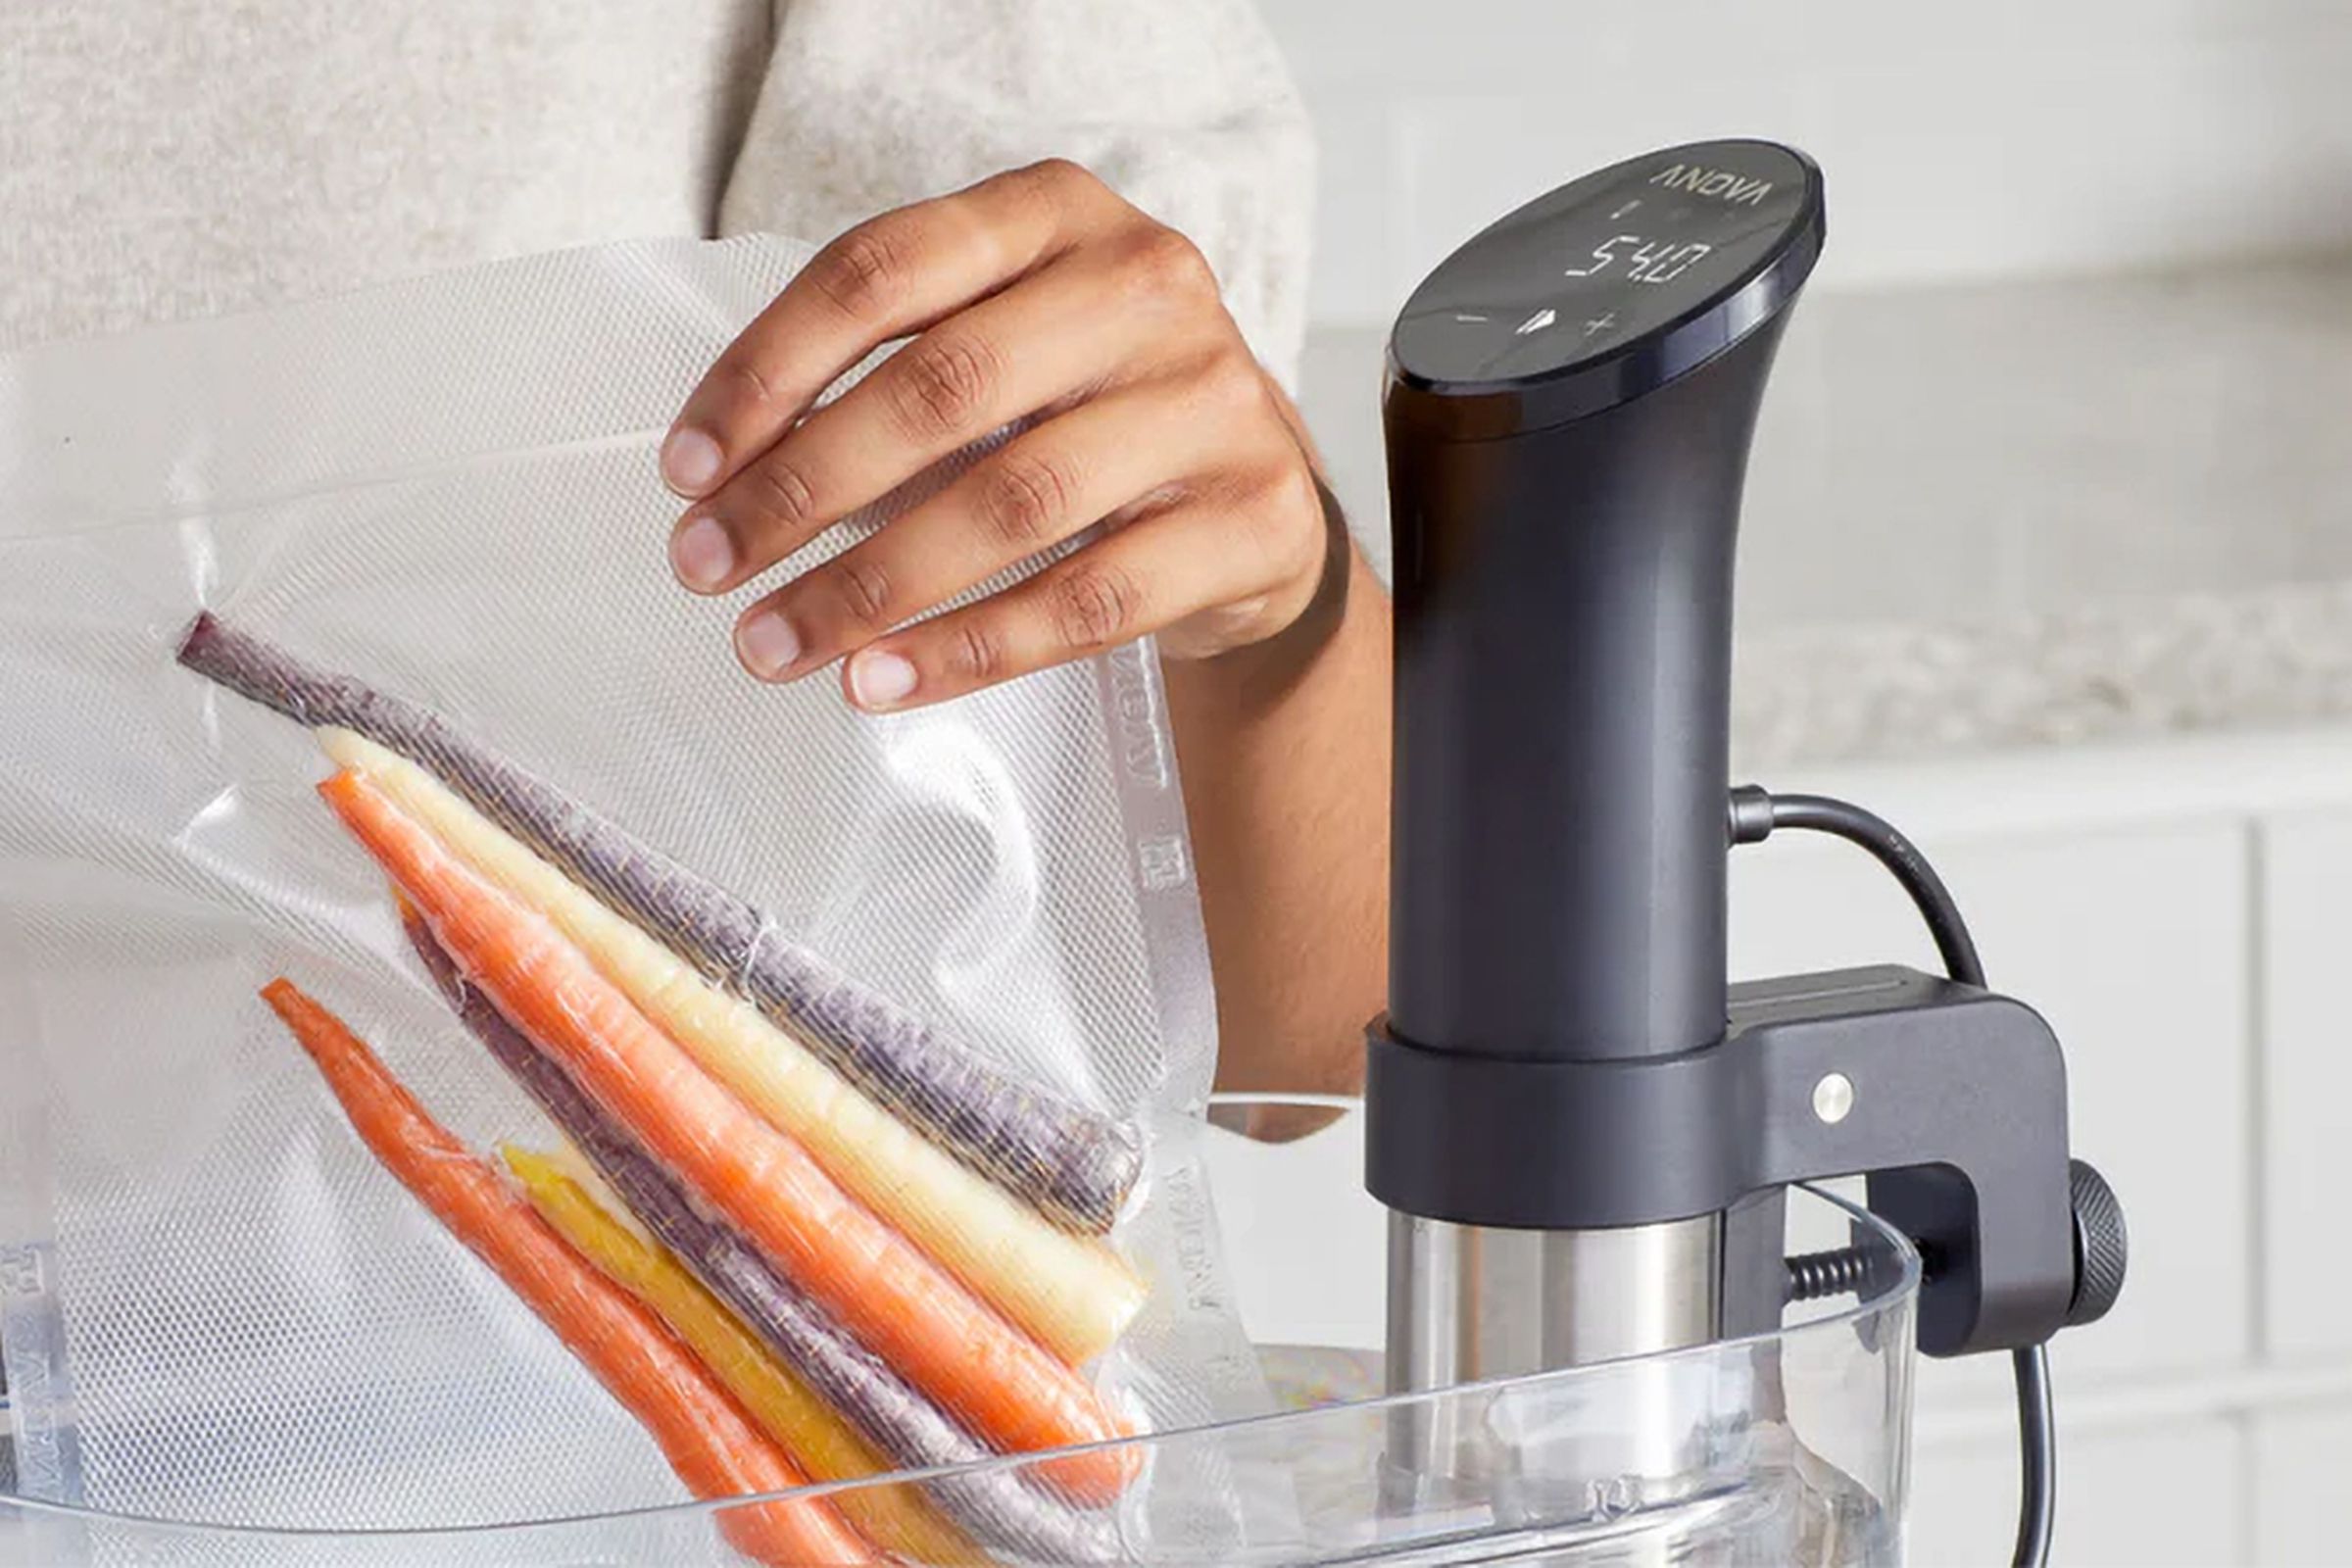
x,y
1182,106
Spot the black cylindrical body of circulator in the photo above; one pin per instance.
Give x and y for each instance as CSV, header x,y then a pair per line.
x,y
1570,403
1563,678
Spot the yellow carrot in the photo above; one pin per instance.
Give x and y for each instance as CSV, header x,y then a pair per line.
x,y
565,1158
1071,1294
897,1519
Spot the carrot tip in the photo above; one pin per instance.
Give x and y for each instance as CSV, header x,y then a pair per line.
x,y
202,630
527,1164
293,1005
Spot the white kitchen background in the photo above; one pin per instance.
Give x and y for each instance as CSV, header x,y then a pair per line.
x,y
2046,557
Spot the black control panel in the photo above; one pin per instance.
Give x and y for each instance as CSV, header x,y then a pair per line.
x,y
1606,262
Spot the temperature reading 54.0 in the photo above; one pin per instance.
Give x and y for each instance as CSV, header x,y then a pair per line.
x,y
1649,261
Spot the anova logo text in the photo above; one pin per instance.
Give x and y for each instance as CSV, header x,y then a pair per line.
x,y
1720,184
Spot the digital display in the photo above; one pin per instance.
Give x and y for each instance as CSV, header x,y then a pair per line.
x,y
1651,261
1597,265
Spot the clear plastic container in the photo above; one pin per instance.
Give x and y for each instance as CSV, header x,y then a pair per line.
x,y
1794,1446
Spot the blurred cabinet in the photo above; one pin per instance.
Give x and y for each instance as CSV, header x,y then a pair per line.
x,y
2302,1509
2306,861
2172,1496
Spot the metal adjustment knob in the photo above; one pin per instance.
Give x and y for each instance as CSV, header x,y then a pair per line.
x,y
2101,1244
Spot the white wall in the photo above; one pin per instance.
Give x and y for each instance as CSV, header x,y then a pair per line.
x,y
1993,139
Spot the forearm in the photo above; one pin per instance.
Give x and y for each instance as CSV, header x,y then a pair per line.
x,y
1285,754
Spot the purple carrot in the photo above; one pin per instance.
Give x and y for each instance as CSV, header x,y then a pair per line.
x,y
993,1505
1073,1164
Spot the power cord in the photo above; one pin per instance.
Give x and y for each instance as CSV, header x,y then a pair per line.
x,y
1754,814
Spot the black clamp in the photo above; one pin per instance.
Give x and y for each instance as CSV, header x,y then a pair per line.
x,y
1951,1100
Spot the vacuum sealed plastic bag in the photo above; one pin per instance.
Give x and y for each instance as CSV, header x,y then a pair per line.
x,y
469,1054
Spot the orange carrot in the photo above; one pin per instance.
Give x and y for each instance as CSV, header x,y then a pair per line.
x,y
706,1435
877,1284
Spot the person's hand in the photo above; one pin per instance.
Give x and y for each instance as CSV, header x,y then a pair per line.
x,y
1036,293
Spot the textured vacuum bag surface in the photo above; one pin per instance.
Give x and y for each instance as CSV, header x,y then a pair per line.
x,y
215,1302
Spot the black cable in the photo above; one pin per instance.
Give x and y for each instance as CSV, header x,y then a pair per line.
x,y
1819,814
2037,1443
1754,814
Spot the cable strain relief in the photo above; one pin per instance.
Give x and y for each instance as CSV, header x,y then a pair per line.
x,y
1750,813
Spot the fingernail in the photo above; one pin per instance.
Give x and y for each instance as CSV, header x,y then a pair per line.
x,y
703,553
879,678
689,462
768,644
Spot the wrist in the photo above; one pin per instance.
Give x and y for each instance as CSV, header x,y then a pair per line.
x,y
1265,668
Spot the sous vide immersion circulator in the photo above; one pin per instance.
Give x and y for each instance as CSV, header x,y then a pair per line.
x,y
1581,1129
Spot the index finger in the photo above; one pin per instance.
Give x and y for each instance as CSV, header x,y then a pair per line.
x,y
890,276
